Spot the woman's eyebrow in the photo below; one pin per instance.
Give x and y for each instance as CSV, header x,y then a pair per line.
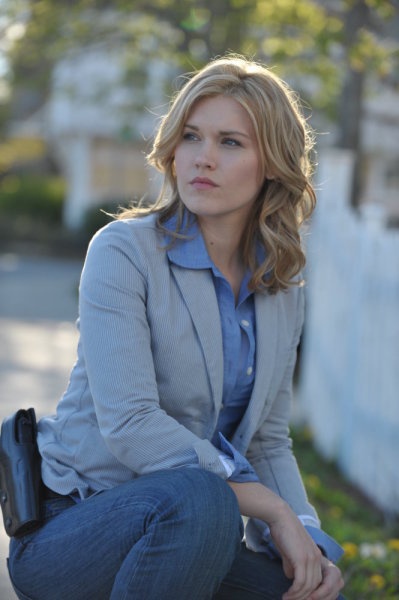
x,y
222,132
234,132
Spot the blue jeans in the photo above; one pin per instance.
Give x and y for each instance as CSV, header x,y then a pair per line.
x,y
171,535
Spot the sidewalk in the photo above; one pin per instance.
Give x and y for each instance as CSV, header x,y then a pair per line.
x,y
38,308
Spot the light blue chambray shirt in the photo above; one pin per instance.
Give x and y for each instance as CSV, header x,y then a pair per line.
x,y
238,335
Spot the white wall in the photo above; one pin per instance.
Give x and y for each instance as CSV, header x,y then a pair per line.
x,y
349,385
91,102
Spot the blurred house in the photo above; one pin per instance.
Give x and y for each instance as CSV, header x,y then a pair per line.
x,y
98,128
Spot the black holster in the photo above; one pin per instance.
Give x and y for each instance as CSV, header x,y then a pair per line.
x,y
20,473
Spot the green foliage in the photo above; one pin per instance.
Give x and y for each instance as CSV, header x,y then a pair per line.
x,y
318,39
33,197
371,571
370,565
98,216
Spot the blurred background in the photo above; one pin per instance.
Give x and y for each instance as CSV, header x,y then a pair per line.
x,y
82,85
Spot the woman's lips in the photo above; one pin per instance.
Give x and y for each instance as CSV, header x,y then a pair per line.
x,y
202,183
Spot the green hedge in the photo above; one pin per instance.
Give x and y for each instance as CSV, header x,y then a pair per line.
x,y
98,216
35,197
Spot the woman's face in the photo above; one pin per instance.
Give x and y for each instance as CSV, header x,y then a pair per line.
x,y
217,162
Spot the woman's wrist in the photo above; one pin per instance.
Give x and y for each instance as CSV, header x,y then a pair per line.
x,y
278,511
257,501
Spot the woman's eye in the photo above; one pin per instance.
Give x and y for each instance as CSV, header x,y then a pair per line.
x,y
189,136
230,142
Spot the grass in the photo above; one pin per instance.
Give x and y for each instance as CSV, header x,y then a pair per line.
x,y
370,565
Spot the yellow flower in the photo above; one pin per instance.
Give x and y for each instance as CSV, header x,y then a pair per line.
x,y
350,549
377,581
336,512
393,544
313,482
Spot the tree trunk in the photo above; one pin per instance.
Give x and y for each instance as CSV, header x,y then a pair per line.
x,y
351,102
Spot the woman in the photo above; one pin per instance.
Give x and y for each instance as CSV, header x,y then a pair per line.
x,y
175,420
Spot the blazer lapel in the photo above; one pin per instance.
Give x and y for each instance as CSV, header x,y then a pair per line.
x,y
199,295
267,314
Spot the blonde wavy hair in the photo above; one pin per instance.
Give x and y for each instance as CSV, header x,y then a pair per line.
x,y
284,139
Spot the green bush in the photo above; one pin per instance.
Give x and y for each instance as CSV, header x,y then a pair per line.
x,y
98,216
32,196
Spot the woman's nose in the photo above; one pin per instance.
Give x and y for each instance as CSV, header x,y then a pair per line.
x,y
205,158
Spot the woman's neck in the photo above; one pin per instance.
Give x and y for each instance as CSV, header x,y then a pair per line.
x,y
223,246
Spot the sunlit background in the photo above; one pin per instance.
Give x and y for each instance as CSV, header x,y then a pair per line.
x,y
82,85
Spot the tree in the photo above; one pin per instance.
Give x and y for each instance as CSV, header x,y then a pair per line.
x,y
318,39
364,53
341,47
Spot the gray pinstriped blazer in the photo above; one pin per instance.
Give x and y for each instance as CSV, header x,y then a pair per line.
x,y
146,389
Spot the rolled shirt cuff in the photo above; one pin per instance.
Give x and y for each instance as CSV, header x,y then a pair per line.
x,y
237,467
329,547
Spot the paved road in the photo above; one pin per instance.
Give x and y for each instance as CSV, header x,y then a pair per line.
x,y
38,308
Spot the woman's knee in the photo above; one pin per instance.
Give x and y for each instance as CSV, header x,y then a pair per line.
x,y
211,496
208,503
209,524
198,496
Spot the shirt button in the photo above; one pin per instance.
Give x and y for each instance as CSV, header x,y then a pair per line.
x,y
245,323
249,370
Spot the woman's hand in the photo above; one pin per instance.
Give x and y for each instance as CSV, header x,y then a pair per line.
x,y
314,577
306,568
332,582
302,559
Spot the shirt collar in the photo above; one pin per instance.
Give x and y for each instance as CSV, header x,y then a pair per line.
x,y
191,252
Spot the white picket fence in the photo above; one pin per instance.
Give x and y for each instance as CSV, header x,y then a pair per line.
x,y
349,379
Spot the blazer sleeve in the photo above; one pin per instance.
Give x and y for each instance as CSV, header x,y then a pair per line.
x,y
116,342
